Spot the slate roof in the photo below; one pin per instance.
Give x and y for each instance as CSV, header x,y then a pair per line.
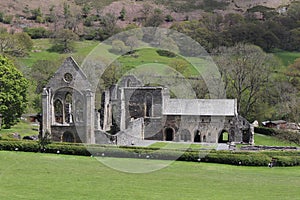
x,y
204,107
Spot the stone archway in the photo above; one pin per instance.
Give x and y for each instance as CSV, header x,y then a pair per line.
x,y
197,136
68,137
169,134
224,137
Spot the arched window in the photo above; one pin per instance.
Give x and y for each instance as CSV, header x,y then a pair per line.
x,y
68,108
148,105
128,83
78,111
58,111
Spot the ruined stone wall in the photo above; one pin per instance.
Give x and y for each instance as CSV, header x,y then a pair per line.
x,y
133,134
58,131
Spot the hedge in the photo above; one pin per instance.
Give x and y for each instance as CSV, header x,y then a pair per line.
x,y
282,158
265,131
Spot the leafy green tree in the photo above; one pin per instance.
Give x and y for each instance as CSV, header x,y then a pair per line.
x,y
64,41
38,32
18,44
13,94
294,40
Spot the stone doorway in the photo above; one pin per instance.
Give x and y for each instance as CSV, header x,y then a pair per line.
x,y
169,134
68,137
197,136
224,137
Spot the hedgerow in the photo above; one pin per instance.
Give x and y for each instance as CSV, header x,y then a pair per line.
x,y
262,158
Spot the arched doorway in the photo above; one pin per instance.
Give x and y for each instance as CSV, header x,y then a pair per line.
x,y
224,137
148,105
169,134
68,137
197,136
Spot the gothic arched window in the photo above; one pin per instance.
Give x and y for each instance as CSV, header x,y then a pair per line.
x,y
79,111
148,105
58,111
68,108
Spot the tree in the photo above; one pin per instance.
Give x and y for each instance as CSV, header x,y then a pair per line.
x,y
63,41
155,19
86,10
108,27
119,47
245,70
122,14
13,95
18,44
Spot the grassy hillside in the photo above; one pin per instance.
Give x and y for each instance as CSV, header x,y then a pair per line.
x,y
41,52
271,141
179,9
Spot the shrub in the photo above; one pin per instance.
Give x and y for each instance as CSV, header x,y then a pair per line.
x,y
166,53
265,131
36,33
7,19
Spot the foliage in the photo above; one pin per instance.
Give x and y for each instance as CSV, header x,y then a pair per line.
x,y
64,41
166,53
8,19
86,10
44,140
224,157
154,20
245,70
18,44
13,94
108,27
265,131
36,13
280,134
36,33
122,14
118,47
210,5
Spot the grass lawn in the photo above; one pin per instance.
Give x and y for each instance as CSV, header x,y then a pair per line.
x,y
23,128
270,141
49,176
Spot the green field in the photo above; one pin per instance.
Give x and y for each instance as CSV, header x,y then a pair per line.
x,y
271,141
286,57
41,46
48,176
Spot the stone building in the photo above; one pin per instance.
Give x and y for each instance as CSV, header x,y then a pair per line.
x,y
131,113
